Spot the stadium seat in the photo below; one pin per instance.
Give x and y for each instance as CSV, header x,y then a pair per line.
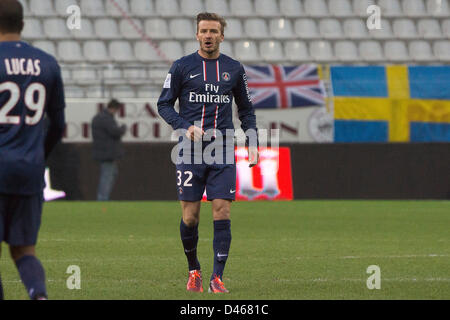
x,y
396,51
413,8
145,52
404,29
112,75
441,50
32,29
106,28
234,29
420,51
446,28
66,75
281,29
321,51
95,92
42,8
227,48
56,29
438,8
384,33
92,8
360,7
113,11
267,8
142,8
157,28
85,74
306,29
167,8
86,32
346,51
219,6
191,8
330,29
95,51
192,46
62,5
73,91
146,91
182,29
390,8
271,51
429,29
120,51
316,8
122,92
296,51
135,75
371,51
256,28
171,49
70,51
291,8
246,51
241,8
129,29
47,46
355,29
340,8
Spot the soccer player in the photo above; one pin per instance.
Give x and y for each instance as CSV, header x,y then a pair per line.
x,y
30,86
205,82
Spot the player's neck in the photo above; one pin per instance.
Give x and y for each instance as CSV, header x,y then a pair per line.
x,y
206,55
9,37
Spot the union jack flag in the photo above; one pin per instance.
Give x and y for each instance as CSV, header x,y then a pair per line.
x,y
278,86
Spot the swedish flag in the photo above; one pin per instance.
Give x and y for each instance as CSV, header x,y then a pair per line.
x,y
391,103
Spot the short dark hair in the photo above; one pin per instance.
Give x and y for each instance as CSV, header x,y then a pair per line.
x,y
114,104
11,16
211,17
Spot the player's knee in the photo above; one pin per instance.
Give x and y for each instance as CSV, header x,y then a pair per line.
x,y
191,221
18,252
222,213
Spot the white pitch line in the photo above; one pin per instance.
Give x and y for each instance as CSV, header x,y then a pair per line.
x,y
406,256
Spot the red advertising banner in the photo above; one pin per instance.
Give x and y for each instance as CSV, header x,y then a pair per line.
x,y
271,179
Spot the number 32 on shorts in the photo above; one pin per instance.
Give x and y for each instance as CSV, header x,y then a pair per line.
x,y
187,180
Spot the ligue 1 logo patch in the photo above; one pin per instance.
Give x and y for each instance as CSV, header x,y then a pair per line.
x,y
226,76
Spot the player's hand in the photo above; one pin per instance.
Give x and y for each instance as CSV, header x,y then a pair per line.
x,y
253,156
195,133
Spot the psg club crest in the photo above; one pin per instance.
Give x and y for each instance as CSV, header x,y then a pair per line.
x,y
226,76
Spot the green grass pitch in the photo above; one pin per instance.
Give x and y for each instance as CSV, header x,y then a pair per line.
x,y
280,250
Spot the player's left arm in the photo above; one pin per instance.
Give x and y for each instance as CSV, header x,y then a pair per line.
x,y
246,114
55,112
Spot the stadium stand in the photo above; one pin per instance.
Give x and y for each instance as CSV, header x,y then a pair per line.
x,y
122,34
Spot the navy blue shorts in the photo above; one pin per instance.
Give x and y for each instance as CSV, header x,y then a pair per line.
x,y
218,179
20,218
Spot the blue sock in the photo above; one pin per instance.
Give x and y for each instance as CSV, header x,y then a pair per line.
x,y
33,276
221,246
189,237
1,289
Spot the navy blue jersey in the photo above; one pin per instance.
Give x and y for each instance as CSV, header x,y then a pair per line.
x,y
30,88
205,89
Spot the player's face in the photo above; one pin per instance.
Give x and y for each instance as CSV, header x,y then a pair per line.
x,y
209,36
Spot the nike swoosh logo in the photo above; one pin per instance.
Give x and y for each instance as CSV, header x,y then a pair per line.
x,y
193,76
222,255
232,191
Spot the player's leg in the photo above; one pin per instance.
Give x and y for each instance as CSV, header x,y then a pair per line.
x,y
2,224
24,219
190,187
221,190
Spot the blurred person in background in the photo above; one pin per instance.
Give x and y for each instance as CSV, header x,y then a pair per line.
x,y
107,147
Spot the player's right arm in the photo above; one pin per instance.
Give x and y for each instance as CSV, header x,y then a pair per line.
x,y
55,112
170,93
